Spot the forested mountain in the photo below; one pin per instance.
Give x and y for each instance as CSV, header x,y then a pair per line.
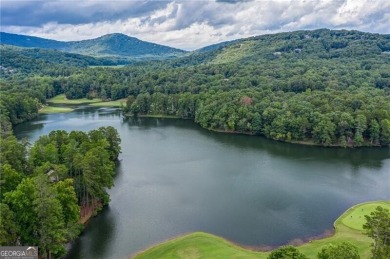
x,y
116,44
323,87
320,44
28,60
30,41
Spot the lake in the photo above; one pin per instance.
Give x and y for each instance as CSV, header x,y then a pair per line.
x,y
175,177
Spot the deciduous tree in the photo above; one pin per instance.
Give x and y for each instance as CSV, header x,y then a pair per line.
x,y
378,228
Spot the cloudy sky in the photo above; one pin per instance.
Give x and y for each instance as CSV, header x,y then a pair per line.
x,y
188,24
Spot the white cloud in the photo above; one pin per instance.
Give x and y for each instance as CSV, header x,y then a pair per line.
x,y
357,12
193,24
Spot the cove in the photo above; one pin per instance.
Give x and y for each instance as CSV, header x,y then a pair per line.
x,y
175,177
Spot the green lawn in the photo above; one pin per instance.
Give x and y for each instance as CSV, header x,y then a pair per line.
x,y
199,245
116,103
356,219
51,109
203,245
61,99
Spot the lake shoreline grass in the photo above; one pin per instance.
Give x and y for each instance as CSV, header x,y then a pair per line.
x,y
68,104
61,99
54,109
204,245
117,103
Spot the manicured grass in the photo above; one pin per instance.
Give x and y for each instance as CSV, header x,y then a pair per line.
x,y
61,99
51,109
348,230
116,103
202,245
356,219
199,245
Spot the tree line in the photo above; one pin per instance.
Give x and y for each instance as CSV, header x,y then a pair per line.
x,y
358,117
45,187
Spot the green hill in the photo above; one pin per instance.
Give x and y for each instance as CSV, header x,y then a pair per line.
x,y
121,45
30,41
35,60
323,44
108,45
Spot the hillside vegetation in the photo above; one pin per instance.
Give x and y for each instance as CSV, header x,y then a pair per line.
x,y
42,61
321,87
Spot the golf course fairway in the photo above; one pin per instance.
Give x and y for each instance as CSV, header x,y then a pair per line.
x,y
62,100
348,228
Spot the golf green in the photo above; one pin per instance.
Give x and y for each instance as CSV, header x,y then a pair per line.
x,y
354,217
348,228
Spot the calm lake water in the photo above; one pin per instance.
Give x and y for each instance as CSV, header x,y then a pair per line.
x,y
175,177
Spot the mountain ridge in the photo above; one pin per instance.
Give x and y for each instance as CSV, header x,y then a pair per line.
x,y
322,44
114,44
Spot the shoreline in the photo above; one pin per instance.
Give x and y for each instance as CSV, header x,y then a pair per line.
x,y
156,116
120,102
234,132
295,142
265,249
89,212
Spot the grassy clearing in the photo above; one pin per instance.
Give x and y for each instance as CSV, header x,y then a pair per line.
x,y
61,99
233,53
116,103
198,245
356,219
202,245
51,109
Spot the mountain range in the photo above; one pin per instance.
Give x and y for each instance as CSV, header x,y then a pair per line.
x,y
110,45
118,49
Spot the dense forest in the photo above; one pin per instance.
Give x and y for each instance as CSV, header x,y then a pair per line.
x,y
27,60
47,188
323,87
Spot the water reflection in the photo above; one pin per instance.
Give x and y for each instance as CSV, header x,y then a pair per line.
x,y
175,177
95,248
357,157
